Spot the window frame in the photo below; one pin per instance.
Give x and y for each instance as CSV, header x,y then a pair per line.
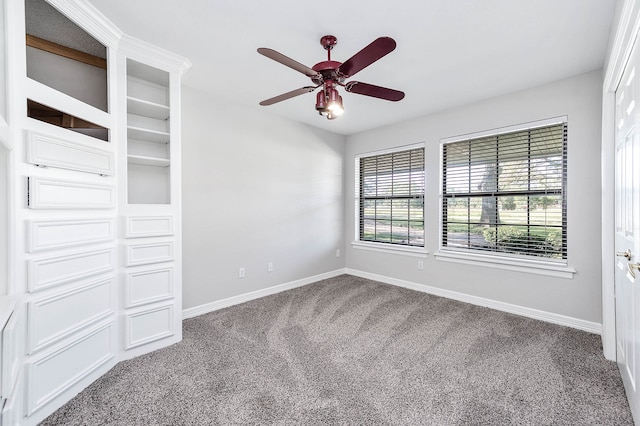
x,y
502,260
387,247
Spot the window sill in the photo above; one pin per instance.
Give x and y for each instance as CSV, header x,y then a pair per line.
x,y
540,267
391,248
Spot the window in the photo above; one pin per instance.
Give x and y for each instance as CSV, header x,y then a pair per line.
x,y
390,190
506,193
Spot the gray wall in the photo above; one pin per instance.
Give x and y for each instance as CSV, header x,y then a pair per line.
x,y
579,98
256,189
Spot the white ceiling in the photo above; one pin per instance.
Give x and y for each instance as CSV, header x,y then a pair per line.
x,y
449,53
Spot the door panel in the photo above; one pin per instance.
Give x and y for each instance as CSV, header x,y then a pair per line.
x,y
627,235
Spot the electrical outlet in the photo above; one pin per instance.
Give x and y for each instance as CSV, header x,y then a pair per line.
x,y
241,273
420,265
269,267
337,252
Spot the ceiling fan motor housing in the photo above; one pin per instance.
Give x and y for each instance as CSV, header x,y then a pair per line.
x,y
327,70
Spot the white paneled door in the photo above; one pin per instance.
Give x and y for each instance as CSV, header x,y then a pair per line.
x,y
627,229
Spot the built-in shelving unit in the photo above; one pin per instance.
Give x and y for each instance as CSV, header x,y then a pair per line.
x,y
151,288
68,112
91,172
148,134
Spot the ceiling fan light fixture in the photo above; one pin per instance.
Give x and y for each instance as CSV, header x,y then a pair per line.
x,y
334,102
321,103
335,107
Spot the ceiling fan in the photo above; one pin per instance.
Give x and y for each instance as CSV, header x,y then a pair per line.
x,y
329,74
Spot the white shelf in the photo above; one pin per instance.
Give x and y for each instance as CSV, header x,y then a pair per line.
x,y
148,135
147,108
148,161
147,73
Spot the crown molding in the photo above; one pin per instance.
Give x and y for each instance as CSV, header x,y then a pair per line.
x,y
155,56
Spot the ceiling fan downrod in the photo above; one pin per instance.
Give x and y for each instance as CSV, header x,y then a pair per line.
x,y
328,42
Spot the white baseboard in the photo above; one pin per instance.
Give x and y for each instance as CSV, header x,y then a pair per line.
x,y
591,327
241,298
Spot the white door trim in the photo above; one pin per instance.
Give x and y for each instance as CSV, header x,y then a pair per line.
x,y
628,27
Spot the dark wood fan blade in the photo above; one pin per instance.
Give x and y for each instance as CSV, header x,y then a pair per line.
x,y
371,53
374,91
285,60
288,95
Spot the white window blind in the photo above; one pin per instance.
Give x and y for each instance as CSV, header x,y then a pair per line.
x,y
391,197
506,193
